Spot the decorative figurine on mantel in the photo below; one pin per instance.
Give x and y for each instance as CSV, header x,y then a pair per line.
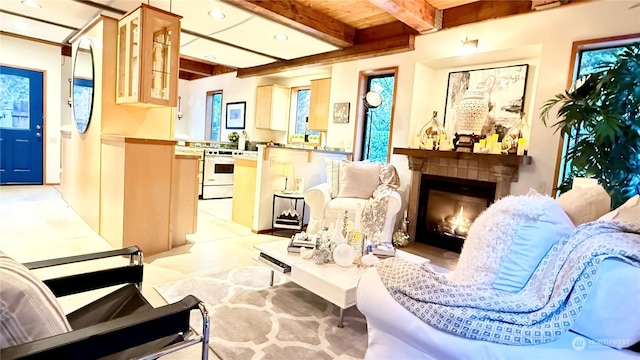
x,y
431,133
471,113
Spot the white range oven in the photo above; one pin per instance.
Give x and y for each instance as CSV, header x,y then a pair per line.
x,y
217,175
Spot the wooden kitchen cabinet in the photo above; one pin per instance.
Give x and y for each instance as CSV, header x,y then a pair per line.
x,y
272,107
319,104
244,191
135,195
148,56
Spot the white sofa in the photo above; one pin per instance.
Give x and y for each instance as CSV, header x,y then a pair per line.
x,y
395,333
608,319
325,210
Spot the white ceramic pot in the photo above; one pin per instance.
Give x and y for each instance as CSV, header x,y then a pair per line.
x,y
471,112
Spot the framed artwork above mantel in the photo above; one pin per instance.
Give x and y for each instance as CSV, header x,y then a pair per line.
x,y
503,89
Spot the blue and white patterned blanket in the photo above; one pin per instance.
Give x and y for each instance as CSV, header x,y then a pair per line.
x,y
542,311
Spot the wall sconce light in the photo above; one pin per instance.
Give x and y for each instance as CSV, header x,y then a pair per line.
x,y
179,114
468,47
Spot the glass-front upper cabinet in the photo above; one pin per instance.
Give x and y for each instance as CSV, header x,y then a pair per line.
x,y
148,56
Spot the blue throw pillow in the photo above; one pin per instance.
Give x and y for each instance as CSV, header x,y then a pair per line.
x,y
532,240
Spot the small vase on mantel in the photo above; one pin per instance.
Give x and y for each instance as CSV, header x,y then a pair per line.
x,y
471,112
514,140
430,133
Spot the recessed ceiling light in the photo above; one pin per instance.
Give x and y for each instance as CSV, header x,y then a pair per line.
x,y
210,57
31,3
216,14
19,26
280,37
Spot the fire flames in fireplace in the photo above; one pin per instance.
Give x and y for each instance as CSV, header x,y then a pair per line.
x,y
448,208
455,225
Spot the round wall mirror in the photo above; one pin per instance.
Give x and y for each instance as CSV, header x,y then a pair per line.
x,y
82,87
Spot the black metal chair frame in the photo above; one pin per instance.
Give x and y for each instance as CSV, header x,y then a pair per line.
x,y
166,327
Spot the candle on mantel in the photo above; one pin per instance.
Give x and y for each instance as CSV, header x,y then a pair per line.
x,y
496,148
428,144
522,143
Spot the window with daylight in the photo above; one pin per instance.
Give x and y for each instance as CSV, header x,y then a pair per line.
x,y
300,97
374,134
589,55
213,115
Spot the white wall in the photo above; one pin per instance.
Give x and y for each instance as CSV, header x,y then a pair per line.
x,y
182,125
42,57
65,92
233,90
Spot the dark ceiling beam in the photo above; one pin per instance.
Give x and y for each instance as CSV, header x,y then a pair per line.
x,y
191,69
302,18
65,50
483,10
418,14
387,46
383,31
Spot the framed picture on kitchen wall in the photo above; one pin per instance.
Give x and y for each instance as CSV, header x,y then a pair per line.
x,y
236,115
502,88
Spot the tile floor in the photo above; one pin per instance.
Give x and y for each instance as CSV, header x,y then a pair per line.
x,y
36,224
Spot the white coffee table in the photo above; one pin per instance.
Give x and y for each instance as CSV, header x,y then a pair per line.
x,y
331,282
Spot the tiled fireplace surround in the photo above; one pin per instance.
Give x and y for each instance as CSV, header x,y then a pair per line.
x,y
498,168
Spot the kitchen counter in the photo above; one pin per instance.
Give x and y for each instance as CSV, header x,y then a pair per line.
x,y
310,151
247,155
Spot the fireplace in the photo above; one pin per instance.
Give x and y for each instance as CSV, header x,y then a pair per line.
x,y
447,207
474,177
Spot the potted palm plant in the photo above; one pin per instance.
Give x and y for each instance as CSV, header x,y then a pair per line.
x,y
601,112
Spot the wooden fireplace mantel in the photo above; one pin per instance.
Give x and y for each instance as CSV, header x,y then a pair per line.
x,y
501,169
503,159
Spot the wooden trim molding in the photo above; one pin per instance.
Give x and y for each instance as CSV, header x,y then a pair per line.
x,y
119,140
386,46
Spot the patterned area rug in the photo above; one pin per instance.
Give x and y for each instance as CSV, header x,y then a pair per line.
x,y
251,320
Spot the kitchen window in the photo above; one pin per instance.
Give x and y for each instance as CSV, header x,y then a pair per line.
x,y
214,115
300,97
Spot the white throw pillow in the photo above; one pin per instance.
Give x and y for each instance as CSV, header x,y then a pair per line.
x,y
610,315
585,204
358,179
507,241
30,311
629,211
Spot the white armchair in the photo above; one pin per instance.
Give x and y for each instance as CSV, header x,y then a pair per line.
x,y
325,209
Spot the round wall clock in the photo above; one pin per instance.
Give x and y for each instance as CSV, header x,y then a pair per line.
x,y
373,99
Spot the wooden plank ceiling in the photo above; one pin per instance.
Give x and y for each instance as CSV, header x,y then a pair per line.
x,y
365,28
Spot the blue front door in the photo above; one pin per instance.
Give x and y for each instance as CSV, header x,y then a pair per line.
x,y
21,125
